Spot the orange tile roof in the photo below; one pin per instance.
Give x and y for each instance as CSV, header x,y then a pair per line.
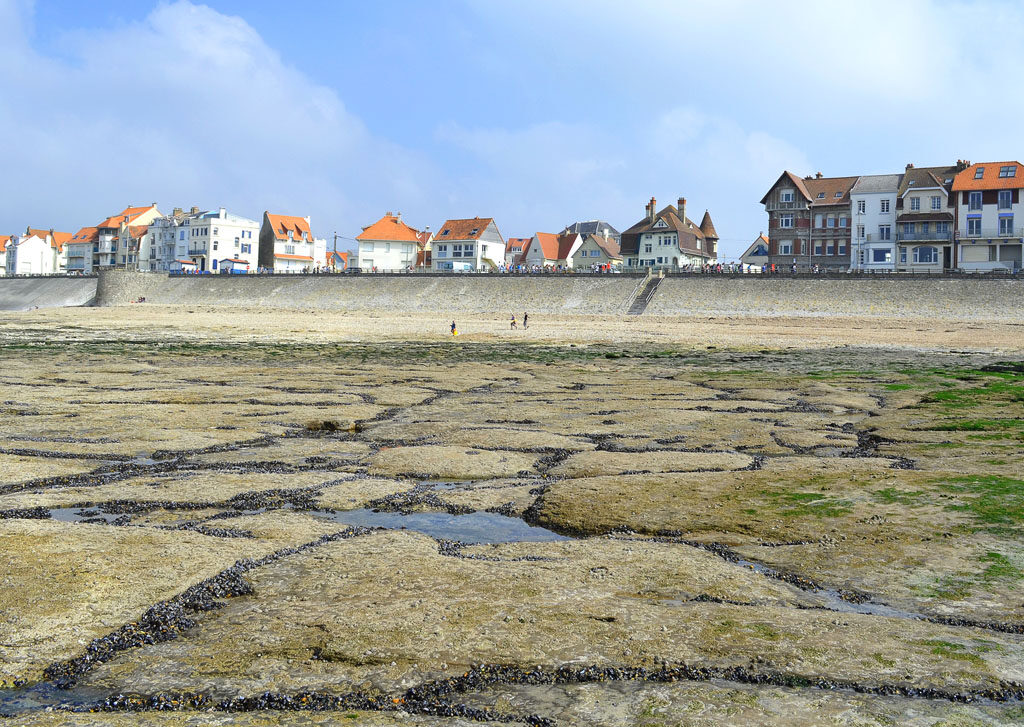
x,y
519,242
342,257
234,260
469,229
57,239
138,230
85,235
4,239
548,245
294,257
390,227
990,178
283,224
130,212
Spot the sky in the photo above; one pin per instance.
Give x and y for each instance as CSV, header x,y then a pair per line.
x,y
537,113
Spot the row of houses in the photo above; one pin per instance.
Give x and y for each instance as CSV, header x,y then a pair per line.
x,y
925,219
664,238
141,237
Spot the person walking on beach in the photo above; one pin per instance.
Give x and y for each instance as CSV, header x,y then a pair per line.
x,y
526,317
513,321
454,332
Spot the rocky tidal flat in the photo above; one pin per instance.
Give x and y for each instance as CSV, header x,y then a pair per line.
x,y
533,531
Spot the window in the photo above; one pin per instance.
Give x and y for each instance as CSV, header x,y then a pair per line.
x,y
884,232
387,247
236,243
457,250
647,247
1010,171
181,235
924,228
214,244
830,249
785,220
860,232
908,228
941,228
821,195
903,254
936,202
289,249
467,250
842,247
974,201
839,195
215,230
444,233
862,206
1006,225
926,254
881,256
979,172
884,206
698,243
214,264
786,195
441,250
1005,199
817,248
915,204
831,221
246,248
843,221
974,226
818,220
786,248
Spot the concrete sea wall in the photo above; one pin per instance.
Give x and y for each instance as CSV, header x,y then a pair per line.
x,y
962,298
45,292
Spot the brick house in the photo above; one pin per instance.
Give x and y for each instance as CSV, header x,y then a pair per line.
x,y
809,221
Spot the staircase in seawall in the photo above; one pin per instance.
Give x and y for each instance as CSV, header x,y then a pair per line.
x,y
644,296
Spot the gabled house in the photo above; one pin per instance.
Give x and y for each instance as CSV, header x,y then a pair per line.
x,y
337,260
925,219
423,249
988,202
80,249
669,239
873,200
597,251
287,245
389,244
37,252
547,250
757,253
594,227
468,244
514,247
5,240
809,221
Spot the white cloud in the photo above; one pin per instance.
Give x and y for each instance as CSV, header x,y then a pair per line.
x,y
188,106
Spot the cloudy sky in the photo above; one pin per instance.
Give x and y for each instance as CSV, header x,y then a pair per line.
x,y
534,112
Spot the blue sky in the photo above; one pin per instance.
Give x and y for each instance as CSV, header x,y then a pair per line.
x,y
536,112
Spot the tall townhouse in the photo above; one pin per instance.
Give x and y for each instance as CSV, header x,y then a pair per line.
x,y
114,242
389,244
873,200
809,221
925,219
468,244
200,240
287,245
988,199
669,239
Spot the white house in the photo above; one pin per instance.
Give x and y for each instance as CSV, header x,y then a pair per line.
x,y
988,201
514,247
287,245
388,244
203,238
873,204
596,250
546,249
469,244
37,252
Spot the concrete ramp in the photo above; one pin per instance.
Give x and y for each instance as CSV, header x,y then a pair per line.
x,y
46,292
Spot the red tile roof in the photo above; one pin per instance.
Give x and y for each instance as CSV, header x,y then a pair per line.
x,y
469,229
519,242
85,235
234,260
338,257
57,239
130,212
283,224
4,239
708,227
294,257
390,227
990,178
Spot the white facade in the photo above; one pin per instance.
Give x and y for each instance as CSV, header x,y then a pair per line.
x,y
29,255
990,221
873,206
203,238
386,255
299,255
470,244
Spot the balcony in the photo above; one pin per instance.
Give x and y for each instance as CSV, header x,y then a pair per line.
x,y
198,252
794,205
875,237
924,236
991,233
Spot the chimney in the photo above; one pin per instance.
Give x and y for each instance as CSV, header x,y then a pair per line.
x,y
398,215
818,175
651,211
605,231
195,210
177,211
682,209
909,167
223,213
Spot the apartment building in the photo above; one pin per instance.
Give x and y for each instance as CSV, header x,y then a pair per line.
x,y
873,201
199,241
114,242
925,219
988,216
809,221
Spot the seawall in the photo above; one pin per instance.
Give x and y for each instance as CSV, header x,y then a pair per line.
x,y
46,292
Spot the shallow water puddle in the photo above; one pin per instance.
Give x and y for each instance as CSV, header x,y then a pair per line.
x,y
82,515
475,527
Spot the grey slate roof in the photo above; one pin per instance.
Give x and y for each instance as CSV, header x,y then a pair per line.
x,y
877,183
591,227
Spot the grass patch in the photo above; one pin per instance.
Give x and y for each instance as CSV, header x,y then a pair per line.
x,y
949,650
883,661
809,504
993,500
892,496
766,632
999,568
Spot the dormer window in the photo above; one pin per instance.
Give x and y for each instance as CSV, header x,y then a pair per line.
x,y
1010,171
444,233
839,195
126,218
821,195
291,235
979,172
474,230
